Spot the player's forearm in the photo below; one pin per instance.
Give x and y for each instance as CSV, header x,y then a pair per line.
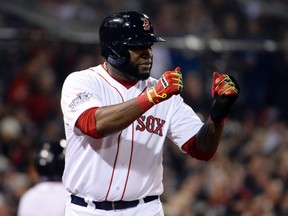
x,y
225,91
114,118
209,136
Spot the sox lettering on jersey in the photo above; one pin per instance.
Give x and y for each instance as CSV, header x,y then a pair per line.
x,y
150,124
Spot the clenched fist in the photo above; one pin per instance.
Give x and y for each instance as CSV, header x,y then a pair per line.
x,y
169,84
225,91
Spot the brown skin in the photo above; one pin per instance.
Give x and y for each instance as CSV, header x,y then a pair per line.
x,y
209,137
114,118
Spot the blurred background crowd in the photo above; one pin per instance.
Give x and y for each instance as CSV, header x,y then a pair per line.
x,y
42,41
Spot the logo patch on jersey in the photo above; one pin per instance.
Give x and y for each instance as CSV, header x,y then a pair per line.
x,y
81,97
150,124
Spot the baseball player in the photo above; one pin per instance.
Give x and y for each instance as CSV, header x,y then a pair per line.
x,y
117,117
48,197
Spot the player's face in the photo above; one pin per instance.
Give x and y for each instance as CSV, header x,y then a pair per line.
x,y
141,59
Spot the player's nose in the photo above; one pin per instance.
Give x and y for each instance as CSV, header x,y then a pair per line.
x,y
147,53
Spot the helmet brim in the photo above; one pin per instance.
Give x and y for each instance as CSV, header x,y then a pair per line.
x,y
148,39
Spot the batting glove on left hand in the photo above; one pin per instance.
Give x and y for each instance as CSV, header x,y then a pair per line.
x,y
225,91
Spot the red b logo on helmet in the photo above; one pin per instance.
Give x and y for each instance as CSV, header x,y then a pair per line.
x,y
146,23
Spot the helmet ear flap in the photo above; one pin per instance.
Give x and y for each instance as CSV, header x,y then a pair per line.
x,y
117,56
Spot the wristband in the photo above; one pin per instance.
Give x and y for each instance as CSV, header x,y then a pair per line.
x,y
154,97
144,102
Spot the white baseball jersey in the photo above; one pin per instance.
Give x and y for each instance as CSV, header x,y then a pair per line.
x,y
126,165
45,199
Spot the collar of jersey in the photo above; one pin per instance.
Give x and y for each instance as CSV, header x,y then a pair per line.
x,y
122,82
127,84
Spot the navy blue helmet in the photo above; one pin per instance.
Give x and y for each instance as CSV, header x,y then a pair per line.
x,y
50,160
121,30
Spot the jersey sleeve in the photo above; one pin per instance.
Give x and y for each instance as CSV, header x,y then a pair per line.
x,y
185,123
79,93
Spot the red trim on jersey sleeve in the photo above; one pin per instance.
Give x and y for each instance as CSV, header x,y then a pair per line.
x,y
190,148
87,124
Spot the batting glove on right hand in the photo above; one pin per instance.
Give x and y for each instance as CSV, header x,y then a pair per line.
x,y
225,91
169,84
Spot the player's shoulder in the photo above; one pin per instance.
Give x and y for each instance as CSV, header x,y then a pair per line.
x,y
29,193
90,70
83,74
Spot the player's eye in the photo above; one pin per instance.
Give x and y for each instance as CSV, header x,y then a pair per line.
x,y
139,47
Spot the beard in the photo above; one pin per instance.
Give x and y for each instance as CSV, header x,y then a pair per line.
x,y
134,71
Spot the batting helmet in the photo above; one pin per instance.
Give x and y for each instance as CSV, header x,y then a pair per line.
x,y
50,160
122,29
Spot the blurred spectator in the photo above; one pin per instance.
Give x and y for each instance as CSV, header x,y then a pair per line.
x,y
34,86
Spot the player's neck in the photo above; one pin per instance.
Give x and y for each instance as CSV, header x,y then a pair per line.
x,y
125,80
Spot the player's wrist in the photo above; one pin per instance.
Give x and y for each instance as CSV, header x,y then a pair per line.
x,y
156,95
144,102
217,121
